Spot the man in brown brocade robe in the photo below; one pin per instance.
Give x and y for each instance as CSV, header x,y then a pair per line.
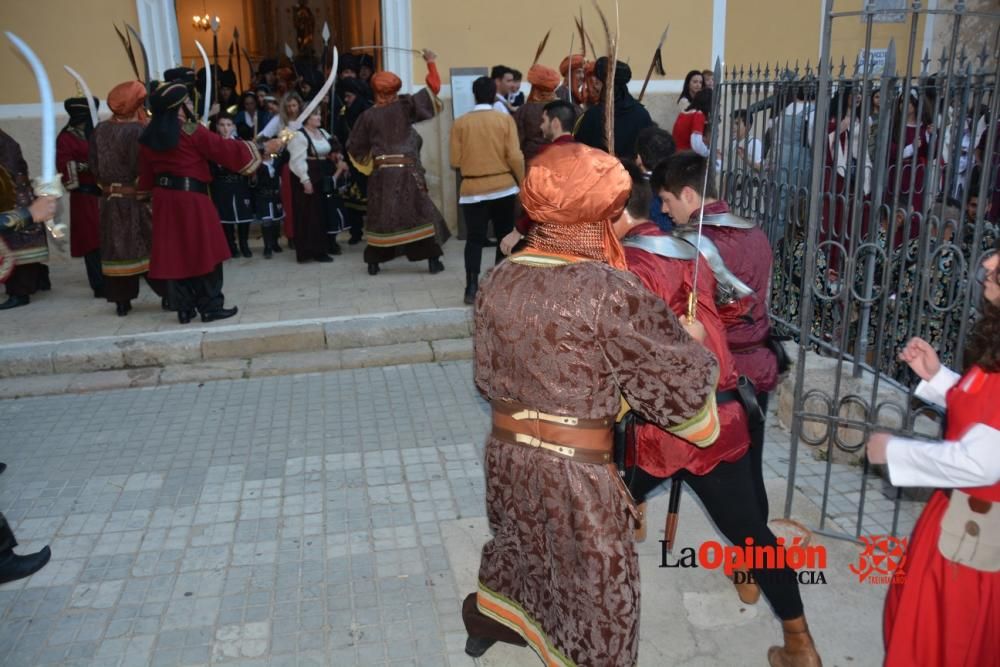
x,y
402,219
528,118
562,334
28,243
126,215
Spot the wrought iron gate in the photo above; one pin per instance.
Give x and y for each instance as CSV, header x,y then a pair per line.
x,y
877,183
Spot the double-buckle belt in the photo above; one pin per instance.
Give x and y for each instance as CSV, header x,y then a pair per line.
x,y
120,190
394,161
182,183
583,440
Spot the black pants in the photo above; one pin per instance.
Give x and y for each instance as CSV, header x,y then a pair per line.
x,y
26,279
356,221
126,288
92,260
727,492
201,293
477,219
757,455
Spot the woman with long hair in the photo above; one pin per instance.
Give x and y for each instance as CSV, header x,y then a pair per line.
x,y
691,125
693,84
947,609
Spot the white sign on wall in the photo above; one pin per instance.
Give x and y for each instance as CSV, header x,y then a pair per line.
x,y
462,100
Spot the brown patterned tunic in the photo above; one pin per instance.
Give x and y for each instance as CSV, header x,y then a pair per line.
x,y
126,223
29,245
561,568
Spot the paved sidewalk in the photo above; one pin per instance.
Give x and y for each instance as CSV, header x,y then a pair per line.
x,y
323,519
265,291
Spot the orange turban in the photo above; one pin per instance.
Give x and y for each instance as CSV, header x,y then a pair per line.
x,y
578,63
386,86
126,99
575,193
544,78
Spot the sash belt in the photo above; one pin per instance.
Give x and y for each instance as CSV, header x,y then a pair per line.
x,y
583,440
182,183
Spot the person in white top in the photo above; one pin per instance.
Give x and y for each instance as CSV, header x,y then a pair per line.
x,y
749,150
503,77
314,157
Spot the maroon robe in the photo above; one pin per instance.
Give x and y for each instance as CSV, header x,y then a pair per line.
x,y
72,161
188,240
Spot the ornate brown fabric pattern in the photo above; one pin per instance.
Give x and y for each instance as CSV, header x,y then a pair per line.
x,y
570,340
32,241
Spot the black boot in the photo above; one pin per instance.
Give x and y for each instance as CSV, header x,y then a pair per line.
x,y
12,566
231,239
243,229
15,301
434,265
332,246
275,236
471,287
372,268
220,314
267,233
123,308
184,316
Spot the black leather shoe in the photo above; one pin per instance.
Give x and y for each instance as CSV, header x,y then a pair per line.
x,y
354,241
123,308
373,269
335,248
326,259
476,646
15,302
220,314
246,252
267,252
435,265
184,316
275,247
14,567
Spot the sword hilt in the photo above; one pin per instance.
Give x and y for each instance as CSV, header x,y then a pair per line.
x,y
692,307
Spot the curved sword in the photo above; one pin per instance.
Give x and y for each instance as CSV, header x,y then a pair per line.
x,y
49,184
300,121
86,91
145,61
208,82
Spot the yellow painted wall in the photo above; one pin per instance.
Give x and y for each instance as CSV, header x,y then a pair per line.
x,y
478,33
63,32
848,36
786,31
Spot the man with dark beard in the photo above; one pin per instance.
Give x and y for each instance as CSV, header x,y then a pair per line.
x,y
72,161
188,243
630,115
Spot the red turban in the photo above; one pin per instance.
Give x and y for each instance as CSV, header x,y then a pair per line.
x,y
575,193
386,86
126,99
578,63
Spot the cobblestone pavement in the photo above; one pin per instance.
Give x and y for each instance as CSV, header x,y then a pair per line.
x,y
264,290
294,520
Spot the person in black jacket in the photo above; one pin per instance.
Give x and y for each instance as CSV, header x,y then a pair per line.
x,y
630,115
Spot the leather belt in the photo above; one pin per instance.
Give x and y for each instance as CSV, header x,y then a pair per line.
x,y
119,190
89,189
182,183
583,440
228,178
394,161
499,173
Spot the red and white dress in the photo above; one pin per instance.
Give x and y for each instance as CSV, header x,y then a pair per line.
x,y
946,613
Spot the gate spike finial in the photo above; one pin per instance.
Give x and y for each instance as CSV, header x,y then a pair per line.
x,y
843,67
889,68
982,56
944,58
962,57
925,61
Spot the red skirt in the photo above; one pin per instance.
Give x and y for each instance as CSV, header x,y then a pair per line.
x,y
188,240
943,614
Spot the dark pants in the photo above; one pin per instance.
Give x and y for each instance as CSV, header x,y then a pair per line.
x,y
126,288
202,293
26,279
477,219
757,455
92,260
728,494
356,221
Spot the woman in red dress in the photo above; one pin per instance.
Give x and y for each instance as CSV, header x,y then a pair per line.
x,y
947,609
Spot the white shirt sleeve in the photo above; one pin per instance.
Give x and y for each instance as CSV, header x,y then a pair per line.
x,y
500,106
934,390
973,460
756,151
698,144
908,151
298,147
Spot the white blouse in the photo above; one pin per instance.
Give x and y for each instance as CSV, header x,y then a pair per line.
x,y
973,460
298,152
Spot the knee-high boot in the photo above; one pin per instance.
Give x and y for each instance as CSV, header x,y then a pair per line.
x,y
268,232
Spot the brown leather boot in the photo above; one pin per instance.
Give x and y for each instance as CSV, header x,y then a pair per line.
x,y
748,591
799,650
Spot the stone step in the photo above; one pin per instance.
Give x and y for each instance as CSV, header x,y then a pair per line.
x,y
259,365
195,345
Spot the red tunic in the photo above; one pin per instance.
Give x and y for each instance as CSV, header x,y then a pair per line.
x,y
658,452
72,155
945,613
686,125
747,253
188,240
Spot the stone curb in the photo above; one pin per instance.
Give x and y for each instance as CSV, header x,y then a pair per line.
x,y
163,350
267,365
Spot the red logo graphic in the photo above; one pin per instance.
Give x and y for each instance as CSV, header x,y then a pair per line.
x,y
883,560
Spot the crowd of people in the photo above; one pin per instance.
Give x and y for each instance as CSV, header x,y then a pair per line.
x,y
623,284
